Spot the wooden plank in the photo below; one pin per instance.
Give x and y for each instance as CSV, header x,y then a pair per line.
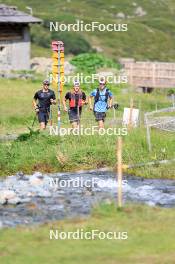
x,y
119,170
150,74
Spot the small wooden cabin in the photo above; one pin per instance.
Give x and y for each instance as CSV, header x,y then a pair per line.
x,y
15,38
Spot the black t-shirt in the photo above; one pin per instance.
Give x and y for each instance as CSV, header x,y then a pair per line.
x,y
44,99
68,97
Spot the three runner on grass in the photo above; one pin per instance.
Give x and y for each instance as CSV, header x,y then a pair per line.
x,y
45,97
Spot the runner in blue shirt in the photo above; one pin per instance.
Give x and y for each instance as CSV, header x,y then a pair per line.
x,y
102,99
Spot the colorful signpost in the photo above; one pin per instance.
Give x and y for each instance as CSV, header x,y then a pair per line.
x,y
58,72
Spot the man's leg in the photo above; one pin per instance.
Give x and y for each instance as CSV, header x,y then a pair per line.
x,y
42,120
73,118
101,123
100,119
77,116
42,126
75,125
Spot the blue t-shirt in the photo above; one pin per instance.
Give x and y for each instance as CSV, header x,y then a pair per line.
x,y
101,105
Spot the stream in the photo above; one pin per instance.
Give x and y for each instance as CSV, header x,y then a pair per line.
x,y
40,198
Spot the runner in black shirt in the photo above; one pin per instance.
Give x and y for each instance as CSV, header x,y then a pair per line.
x,y
42,101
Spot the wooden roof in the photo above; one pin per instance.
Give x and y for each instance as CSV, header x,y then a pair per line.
x,y
10,14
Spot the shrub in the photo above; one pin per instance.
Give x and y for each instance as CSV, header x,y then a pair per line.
x,y
90,62
40,36
171,91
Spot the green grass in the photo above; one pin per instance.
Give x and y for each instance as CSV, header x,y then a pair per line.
x,y
42,152
38,51
16,103
150,239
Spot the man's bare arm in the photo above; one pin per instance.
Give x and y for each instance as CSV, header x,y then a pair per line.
x,y
64,105
35,106
110,101
90,103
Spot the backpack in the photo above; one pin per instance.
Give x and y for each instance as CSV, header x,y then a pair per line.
x,y
97,96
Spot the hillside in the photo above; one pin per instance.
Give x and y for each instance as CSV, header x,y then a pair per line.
x,y
151,27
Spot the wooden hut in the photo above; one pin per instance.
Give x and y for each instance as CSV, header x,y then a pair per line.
x,y
15,38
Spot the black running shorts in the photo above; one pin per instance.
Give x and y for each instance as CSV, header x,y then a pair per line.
x,y
43,117
100,116
74,116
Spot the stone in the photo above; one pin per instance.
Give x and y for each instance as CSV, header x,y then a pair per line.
x,y
97,48
44,65
140,11
20,176
38,175
8,196
43,193
15,200
25,200
2,200
120,15
30,194
36,179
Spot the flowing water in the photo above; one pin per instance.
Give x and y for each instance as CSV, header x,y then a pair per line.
x,y
39,198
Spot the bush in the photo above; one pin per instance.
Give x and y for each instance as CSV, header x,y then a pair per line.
x,y
171,91
40,36
90,62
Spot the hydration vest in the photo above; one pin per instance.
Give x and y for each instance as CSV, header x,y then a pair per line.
x,y
97,97
72,102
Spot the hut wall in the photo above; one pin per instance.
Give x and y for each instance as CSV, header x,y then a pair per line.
x,y
15,50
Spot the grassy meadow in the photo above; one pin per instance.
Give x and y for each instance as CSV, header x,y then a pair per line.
x,y
68,153
151,230
150,239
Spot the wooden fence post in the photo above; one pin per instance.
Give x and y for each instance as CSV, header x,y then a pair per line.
x,y
119,170
130,113
173,100
148,133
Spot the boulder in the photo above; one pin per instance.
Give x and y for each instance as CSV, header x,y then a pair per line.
x,y
15,200
98,48
120,15
140,11
44,65
8,196
35,181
